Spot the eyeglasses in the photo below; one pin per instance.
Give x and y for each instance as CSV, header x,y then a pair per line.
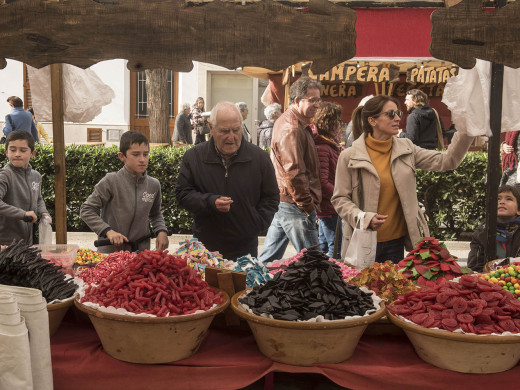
x,y
312,100
391,114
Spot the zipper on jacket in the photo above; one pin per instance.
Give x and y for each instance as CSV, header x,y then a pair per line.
x,y
135,210
29,226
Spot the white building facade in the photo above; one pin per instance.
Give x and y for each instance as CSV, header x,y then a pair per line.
x,y
128,108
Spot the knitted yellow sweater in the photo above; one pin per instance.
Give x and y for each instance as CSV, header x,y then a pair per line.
x,y
389,202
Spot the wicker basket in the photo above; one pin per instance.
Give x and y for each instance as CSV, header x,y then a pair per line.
x,y
468,353
151,340
304,343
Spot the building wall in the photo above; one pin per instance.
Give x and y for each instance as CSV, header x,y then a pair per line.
x,y
115,115
230,85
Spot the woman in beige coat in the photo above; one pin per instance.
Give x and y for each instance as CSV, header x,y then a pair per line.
x,y
377,175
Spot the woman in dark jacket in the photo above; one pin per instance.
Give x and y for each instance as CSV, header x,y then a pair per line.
x,y
328,126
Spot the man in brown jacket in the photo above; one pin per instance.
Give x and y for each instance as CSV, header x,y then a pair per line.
x,y
296,164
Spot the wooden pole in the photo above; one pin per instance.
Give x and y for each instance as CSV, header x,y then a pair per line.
x,y
493,168
60,198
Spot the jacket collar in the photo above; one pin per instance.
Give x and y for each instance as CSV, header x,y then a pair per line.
x,y
321,140
127,175
211,155
16,169
360,157
302,121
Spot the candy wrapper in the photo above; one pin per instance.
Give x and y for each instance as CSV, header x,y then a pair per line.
x,y
198,257
256,272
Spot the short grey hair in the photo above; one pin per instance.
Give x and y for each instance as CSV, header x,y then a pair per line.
x,y
301,86
213,115
272,109
241,106
185,106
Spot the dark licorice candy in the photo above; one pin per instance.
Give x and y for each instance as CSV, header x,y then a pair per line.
x,y
311,287
21,265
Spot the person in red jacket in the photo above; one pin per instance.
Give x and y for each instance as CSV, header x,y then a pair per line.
x,y
327,137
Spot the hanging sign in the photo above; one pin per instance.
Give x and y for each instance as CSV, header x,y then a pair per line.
x,y
341,90
356,73
430,74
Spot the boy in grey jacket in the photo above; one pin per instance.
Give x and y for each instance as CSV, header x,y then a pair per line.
x,y
129,201
20,190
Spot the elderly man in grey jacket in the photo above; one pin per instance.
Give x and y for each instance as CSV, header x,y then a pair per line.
x,y
244,111
182,131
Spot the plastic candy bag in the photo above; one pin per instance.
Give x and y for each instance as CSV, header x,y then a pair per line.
x,y
45,230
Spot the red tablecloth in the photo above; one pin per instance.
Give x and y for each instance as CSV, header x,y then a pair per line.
x,y
230,360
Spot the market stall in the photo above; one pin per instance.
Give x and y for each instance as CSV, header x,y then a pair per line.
x,y
230,358
349,82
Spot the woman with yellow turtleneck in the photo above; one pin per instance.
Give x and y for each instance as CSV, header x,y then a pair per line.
x,y
377,175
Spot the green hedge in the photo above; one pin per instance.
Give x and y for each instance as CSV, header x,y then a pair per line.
x,y
86,165
455,201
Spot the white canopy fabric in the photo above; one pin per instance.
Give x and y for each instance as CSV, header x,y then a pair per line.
x,y
84,93
467,95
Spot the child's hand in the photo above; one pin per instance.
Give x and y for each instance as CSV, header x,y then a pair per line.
x,y
31,214
116,238
161,243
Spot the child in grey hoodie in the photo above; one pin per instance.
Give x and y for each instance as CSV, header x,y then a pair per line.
x,y
129,201
20,190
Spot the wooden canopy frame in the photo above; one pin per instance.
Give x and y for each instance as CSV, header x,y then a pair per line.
x,y
267,34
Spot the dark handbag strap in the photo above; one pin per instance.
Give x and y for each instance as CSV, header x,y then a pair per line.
x,y
336,239
10,121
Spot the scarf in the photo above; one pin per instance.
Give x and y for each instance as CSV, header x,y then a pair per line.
x,y
509,160
506,230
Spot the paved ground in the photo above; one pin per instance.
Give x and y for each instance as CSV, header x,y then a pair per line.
x,y
86,240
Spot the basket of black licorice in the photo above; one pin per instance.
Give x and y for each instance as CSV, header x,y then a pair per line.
x,y
308,314
22,265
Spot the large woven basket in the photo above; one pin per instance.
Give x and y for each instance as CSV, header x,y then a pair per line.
x,y
305,343
468,353
151,340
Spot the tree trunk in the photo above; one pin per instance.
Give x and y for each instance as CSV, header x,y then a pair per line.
x,y
158,109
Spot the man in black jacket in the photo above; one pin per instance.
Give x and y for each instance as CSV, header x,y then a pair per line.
x,y
422,121
229,186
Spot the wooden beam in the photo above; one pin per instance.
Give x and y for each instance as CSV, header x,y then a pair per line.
x,y
60,198
464,32
155,34
494,169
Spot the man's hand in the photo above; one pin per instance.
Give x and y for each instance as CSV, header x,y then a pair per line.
x,y
377,221
223,204
161,242
31,214
116,238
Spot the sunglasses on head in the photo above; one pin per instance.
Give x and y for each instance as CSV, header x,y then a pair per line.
x,y
391,114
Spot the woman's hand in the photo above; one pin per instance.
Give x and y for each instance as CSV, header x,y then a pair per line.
x,y
377,221
507,149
